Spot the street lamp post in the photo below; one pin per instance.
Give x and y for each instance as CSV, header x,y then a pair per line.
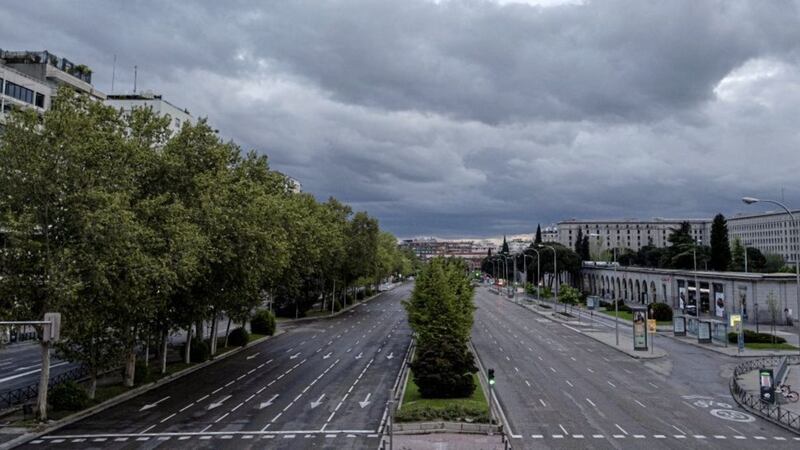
x,y
538,275
616,303
696,284
750,201
525,263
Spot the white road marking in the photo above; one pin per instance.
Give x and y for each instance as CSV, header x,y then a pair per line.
x,y
168,417
640,403
543,403
621,429
570,384
528,383
611,384
591,403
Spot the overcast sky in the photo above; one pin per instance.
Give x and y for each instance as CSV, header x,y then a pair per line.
x,y
470,118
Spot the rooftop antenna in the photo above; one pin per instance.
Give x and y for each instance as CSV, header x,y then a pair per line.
x,y
135,73
113,73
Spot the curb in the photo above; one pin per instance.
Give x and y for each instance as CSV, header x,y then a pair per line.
x,y
503,426
714,349
135,392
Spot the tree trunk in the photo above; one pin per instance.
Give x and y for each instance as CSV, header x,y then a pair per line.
x,y
188,345
164,339
147,351
199,330
227,331
130,366
44,379
92,383
214,334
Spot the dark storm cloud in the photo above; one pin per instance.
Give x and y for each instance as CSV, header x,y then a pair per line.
x,y
469,117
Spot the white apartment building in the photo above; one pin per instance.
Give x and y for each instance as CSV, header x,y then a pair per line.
x,y
770,232
30,79
550,234
629,233
127,102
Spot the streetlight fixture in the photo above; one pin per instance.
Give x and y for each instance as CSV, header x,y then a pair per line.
x,y
524,256
750,201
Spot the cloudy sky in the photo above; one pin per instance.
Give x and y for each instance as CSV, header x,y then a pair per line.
x,y
472,118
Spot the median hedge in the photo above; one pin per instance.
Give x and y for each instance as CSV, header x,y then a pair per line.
x,y
751,337
263,322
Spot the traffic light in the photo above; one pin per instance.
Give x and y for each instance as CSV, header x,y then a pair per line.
x,y
491,377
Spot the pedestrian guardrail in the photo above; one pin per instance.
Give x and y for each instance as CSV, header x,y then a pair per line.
x,y
719,332
21,395
753,403
783,367
692,325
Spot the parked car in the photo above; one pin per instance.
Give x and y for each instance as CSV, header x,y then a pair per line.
x,y
690,310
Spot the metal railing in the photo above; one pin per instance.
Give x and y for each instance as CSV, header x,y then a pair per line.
x,y
21,395
753,403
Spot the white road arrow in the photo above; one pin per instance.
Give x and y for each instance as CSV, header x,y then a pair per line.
x,y
295,355
268,402
219,402
153,405
253,355
318,402
358,356
327,356
390,355
365,402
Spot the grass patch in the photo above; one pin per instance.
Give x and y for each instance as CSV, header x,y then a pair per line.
x,y
254,336
766,346
418,409
625,315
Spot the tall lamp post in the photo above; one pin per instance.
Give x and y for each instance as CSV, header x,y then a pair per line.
x,y
555,269
750,201
697,301
525,263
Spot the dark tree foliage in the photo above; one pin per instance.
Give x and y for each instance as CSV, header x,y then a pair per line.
x,y
579,243
505,247
538,238
585,253
444,370
720,245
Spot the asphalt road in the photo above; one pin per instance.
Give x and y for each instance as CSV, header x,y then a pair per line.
x,y
21,364
561,389
323,384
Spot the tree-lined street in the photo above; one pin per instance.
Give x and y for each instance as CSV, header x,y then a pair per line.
x,y
325,384
561,389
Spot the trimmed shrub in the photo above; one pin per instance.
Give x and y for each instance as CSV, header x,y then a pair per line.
x,y
199,351
751,337
447,413
263,322
69,396
444,370
661,312
337,306
239,337
360,295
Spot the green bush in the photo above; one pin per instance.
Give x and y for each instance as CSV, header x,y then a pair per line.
x,y
263,322
444,370
360,295
661,312
337,306
141,373
198,352
751,337
238,337
69,396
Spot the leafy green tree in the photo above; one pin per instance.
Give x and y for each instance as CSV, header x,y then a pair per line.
x,y
773,263
720,245
579,243
585,252
569,295
737,256
440,311
756,261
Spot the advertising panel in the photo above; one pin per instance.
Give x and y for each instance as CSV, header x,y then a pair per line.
x,y
719,300
639,331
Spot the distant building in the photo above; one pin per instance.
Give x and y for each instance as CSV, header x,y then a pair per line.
x,y
30,79
294,185
127,102
768,233
550,234
630,233
428,248
51,70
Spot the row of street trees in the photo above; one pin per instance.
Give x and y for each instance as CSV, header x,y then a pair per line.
x,y
132,233
440,312
567,262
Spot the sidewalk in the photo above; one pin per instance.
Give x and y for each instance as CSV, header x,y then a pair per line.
x,y
731,349
749,382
